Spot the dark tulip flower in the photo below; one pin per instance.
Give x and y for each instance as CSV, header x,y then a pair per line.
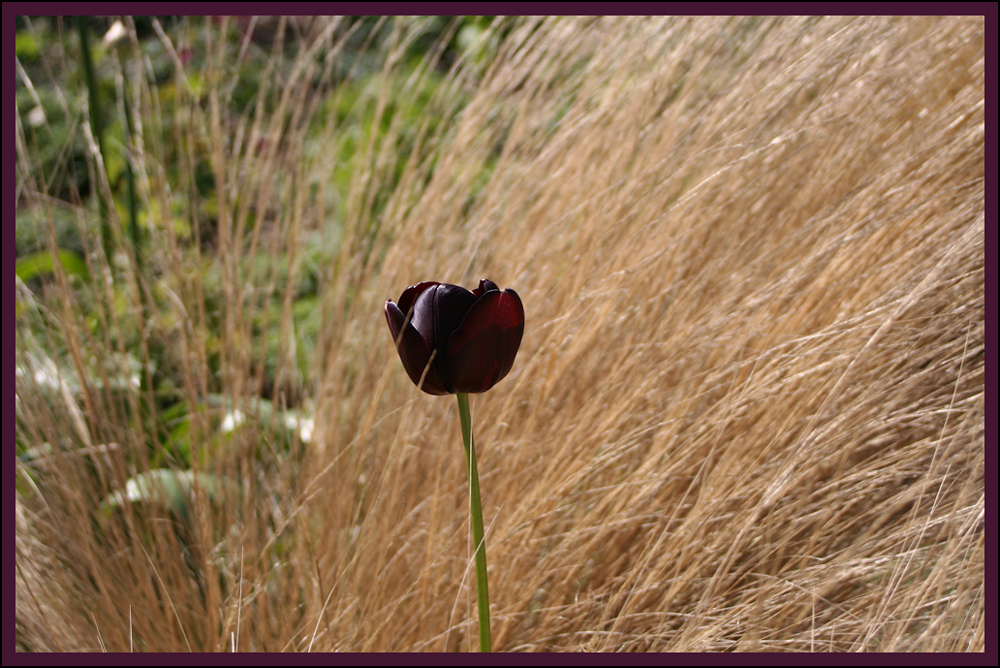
x,y
456,341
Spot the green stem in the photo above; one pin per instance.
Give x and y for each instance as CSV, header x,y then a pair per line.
x,y
476,511
97,128
133,203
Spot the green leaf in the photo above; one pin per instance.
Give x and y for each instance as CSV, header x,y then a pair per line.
x,y
26,47
36,264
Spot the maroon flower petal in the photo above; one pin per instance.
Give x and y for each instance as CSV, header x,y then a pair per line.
x,y
411,293
450,303
437,312
409,298
481,351
485,285
414,351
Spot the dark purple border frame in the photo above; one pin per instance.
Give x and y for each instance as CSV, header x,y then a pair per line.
x,y
12,9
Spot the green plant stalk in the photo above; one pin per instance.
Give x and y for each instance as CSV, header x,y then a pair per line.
x,y
97,128
476,512
133,206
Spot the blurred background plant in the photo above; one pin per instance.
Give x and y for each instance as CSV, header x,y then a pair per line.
x,y
767,435
184,188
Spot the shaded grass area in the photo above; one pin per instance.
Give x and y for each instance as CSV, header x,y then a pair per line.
x,y
747,414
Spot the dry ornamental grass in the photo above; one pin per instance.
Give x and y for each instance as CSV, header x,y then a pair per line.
x,y
747,413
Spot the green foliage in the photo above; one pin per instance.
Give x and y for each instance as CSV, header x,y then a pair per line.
x,y
26,47
48,52
171,490
37,264
180,356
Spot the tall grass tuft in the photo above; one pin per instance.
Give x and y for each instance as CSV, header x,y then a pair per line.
x,y
748,410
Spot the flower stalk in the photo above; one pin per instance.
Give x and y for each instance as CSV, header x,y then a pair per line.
x,y
455,341
476,514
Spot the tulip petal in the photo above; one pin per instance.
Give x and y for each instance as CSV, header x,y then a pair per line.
x,y
445,306
485,285
481,351
414,351
437,312
411,293
406,304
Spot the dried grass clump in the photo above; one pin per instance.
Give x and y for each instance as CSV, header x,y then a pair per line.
x,y
747,414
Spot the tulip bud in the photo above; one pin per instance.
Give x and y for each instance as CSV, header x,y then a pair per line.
x,y
452,341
